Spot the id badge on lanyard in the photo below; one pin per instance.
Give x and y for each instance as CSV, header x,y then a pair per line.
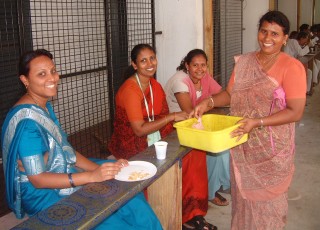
x,y
155,136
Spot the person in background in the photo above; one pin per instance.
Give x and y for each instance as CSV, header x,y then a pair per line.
x,y
141,111
40,166
293,35
297,48
314,35
186,88
315,42
304,28
267,88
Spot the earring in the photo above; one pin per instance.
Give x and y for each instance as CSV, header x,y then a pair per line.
x,y
285,43
26,86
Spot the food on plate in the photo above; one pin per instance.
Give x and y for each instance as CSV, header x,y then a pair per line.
x,y
138,175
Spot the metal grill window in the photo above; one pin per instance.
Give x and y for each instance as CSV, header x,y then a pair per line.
x,y
227,35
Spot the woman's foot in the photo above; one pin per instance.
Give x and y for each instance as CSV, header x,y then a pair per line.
x,y
198,223
219,200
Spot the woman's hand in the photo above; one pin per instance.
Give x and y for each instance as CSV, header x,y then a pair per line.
x,y
180,116
103,172
200,109
246,125
108,170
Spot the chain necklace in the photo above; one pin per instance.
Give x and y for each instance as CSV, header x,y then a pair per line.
x,y
268,62
34,100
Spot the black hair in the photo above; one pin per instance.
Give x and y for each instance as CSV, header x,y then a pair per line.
x,y
314,28
134,55
278,18
304,27
302,34
293,35
187,59
26,58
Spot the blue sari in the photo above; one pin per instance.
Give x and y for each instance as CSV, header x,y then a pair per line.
x,y
30,127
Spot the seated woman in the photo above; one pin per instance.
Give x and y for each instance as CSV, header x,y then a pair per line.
x,y
142,117
186,88
40,166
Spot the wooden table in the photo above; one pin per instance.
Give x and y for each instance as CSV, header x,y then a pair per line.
x,y
94,202
308,59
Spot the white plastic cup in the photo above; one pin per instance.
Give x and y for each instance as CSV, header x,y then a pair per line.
x,y
161,149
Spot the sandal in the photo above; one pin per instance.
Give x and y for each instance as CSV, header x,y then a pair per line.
x,y
219,200
198,223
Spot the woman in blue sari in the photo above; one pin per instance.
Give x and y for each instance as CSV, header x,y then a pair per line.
x,y
40,165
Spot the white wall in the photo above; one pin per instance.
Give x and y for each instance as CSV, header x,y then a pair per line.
x,y
181,23
306,12
289,8
252,12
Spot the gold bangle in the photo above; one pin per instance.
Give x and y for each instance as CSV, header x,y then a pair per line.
x,y
261,124
212,101
166,119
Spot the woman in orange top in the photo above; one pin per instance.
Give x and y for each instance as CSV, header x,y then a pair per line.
x,y
142,115
267,88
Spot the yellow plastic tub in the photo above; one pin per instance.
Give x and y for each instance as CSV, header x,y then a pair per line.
x,y
214,138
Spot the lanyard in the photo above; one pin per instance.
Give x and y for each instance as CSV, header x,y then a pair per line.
x,y
145,100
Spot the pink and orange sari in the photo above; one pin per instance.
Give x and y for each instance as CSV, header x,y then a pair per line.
x,y
262,168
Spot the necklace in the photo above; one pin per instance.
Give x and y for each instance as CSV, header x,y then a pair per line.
x,y
194,82
35,101
267,62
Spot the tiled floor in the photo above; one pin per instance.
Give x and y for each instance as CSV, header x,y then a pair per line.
x,y
303,211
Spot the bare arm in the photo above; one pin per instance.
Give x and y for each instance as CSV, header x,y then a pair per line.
x,y
84,163
184,101
220,99
97,173
142,128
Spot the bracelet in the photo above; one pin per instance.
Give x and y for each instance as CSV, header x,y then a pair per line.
x,y
212,101
166,119
261,124
174,116
71,180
